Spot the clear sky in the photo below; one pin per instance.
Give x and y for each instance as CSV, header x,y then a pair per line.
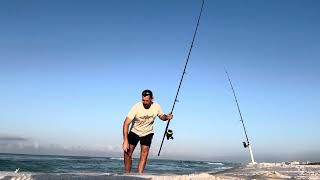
x,y
71,70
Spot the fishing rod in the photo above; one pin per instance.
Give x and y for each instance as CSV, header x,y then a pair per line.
x,y
245,144
168,133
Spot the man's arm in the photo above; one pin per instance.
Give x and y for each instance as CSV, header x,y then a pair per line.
x,y
125,145
166,117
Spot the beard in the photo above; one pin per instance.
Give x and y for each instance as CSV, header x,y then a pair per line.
x,y
147,106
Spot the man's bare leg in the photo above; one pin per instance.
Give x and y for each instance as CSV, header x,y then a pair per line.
x,y
128,158
143,158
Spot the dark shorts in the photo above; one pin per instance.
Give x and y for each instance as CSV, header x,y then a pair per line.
x,y
144,140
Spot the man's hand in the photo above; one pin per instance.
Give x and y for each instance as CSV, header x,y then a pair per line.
x,y
169,116
125,146
166,117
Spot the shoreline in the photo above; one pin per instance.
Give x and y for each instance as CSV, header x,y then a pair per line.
x,y
282,170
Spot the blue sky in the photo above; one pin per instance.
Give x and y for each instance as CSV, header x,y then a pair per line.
x,y
71,70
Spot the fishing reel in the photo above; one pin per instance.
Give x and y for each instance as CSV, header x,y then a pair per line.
x,y
169,134
245,145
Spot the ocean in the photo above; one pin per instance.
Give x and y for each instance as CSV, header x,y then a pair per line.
x,y
44,167
114,165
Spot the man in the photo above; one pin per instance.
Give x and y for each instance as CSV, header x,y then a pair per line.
x,y
142,116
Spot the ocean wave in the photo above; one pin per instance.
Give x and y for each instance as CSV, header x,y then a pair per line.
x,y
117,158
215,163
223,168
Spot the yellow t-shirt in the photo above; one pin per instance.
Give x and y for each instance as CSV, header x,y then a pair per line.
x,y
143,119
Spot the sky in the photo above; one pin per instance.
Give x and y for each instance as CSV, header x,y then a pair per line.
x,y
71,70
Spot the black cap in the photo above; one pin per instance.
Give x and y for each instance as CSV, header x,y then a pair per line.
x,y
147,92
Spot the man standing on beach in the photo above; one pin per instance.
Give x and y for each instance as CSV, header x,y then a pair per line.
x,y
142,116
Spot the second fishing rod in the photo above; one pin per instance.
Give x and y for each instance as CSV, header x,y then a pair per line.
x,y
168,133
245,144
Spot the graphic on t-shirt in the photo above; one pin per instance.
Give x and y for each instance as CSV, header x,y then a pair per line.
x,y
146,117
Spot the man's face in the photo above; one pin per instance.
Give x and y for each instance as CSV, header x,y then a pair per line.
x,y
146,101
